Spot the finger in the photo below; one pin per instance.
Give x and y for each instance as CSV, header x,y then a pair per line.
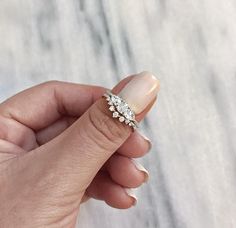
x,y
85,198
43,108
16,133
38,108
126,172
135,146
103,188
8,151
53,130
82,149
42,105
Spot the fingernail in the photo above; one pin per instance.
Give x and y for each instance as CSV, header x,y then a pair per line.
x,y
140,91
147,140
130,192
142,169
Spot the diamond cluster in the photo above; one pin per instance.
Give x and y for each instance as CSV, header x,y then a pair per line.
x,y
121,110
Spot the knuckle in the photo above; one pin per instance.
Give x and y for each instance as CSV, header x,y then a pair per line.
x,y
108,130
51,83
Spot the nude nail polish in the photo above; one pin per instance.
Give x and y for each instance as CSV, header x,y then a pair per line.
x,y
140,91
142,169
130,192
147,140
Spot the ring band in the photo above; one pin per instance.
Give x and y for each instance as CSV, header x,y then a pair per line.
x,y
120,109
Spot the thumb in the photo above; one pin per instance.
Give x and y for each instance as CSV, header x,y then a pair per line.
x,y
85,146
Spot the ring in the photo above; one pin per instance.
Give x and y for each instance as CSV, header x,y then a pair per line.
x,y
120,109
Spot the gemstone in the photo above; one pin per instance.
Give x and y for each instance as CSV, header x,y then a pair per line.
x,y
122,107
108,98
121,119
116,100
115,114
113,99
126,121
119,108
129,114
112,108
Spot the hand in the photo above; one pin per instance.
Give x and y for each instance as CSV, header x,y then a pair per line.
x,y
59,146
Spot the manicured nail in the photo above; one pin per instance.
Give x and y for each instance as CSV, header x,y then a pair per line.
x,y
140,91
130,192
142,169
147,140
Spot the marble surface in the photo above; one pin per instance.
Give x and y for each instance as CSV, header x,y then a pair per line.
x,y
191,46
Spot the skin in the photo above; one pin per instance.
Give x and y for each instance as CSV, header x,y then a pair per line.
x,y
51,160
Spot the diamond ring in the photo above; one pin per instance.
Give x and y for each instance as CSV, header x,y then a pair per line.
x,y
120,109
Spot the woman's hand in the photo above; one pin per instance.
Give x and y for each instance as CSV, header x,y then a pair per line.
x,y
60,146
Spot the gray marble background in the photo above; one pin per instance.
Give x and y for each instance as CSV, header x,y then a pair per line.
x,y
191,46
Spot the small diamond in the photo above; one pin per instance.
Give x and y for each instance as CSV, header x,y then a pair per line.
x,y
126,121
119,108
122,107
116,100
130,124
129,114
115,114
110,103
112,108
113,98
121,119
108,98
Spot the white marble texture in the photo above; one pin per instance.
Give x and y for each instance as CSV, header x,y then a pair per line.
x,y
191,46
